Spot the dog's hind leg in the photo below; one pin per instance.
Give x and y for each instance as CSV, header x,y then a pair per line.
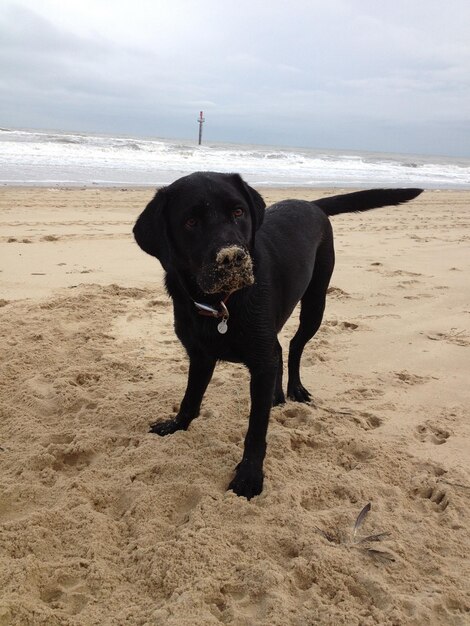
x,y
311,315
279,397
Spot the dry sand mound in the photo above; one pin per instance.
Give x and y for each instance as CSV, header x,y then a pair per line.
x,y
102,523
105,524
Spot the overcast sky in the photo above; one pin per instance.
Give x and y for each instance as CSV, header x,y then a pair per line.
x,y
348,74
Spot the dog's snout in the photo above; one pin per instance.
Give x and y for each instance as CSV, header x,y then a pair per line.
x,y
231,255
231,269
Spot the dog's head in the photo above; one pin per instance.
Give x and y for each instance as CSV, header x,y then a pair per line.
x,y
204,224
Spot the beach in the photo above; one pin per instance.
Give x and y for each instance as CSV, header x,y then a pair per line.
x,y
103,523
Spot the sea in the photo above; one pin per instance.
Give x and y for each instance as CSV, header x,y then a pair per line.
x,y
57,158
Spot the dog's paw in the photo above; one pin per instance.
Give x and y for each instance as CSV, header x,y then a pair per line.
x,y
298,393
247,482
168,427
279,398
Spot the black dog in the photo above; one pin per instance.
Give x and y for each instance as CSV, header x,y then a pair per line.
x,y
235,275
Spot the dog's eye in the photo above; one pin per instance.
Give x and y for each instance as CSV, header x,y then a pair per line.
x,y
237,212
190,223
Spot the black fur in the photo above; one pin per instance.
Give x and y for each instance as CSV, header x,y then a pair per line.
x,y
291,246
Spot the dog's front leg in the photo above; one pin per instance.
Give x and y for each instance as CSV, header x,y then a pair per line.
x,y
201,368
248,481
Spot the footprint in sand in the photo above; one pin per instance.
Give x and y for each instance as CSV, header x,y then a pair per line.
x,y
312,357
293,416
403,273
302,575
71,459
184,505
85,271
430,432
371,421
64,438
68,592
419,296
363,393
363,419
341,325
411,379
436,495
217,381
454,336
336,292
301,442
158,303
405,284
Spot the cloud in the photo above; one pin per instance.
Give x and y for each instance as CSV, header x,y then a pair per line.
x,y
335,73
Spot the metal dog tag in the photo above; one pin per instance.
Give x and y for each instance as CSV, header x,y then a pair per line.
x,y
222,326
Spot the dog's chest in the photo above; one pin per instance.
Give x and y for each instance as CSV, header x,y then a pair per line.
x,y
202,334
227,345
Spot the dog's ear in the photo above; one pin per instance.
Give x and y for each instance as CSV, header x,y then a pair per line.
x,y
150,230
256,202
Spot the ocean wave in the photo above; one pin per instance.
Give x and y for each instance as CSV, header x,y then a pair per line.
x,y
88,159
65,140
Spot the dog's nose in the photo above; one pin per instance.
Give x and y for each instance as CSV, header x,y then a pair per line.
x,y
231,255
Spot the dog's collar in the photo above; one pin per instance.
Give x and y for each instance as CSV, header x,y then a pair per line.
x,y
210,311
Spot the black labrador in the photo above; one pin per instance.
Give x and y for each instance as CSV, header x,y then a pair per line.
x,y
235,273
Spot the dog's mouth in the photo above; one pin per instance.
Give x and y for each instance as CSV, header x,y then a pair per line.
x,y
232,270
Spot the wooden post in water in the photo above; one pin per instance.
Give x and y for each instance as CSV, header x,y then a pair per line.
x,y
201,121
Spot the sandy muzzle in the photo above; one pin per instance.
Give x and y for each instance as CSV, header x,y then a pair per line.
x,y
232,270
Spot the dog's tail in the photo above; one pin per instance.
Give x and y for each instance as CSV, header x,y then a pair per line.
x,y
365,200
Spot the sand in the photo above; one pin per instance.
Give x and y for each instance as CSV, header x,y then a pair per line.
x,y
103,523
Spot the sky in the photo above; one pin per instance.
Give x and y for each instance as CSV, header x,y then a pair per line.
x,y
339,74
